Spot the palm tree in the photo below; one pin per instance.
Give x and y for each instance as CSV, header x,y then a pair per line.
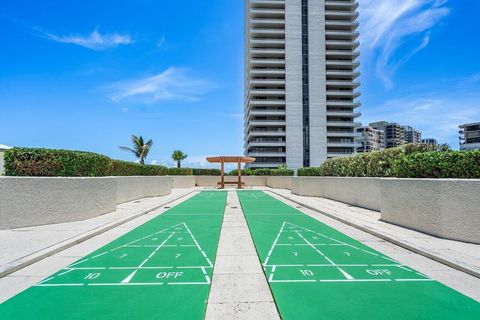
x,y
178,156
140,148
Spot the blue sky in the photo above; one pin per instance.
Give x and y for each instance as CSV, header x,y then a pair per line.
x,y
86,75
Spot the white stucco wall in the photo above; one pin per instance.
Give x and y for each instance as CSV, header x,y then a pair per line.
x,y
131,188
183,182
279,182
445,208
32,201
362,192
2,164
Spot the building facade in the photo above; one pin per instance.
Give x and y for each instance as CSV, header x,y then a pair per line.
x,y
369,139
470,136
431,141
394,133
412,135
300,81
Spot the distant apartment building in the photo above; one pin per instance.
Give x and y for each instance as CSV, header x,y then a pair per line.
x,y
412,135
430,141
470,136
394,133
300,81
369,139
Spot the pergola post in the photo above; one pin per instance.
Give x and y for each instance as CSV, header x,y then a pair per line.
x,y
230,159
222,185
239,173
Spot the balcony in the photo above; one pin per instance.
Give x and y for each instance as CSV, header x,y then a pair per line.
x,y
345,124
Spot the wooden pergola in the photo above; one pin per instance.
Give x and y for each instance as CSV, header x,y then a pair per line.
x,y
230,159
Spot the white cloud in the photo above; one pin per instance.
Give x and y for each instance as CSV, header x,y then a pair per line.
x,y
160,42
171,85
387,25
94,41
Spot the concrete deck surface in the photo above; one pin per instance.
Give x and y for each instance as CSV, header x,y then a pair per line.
x,y
239,288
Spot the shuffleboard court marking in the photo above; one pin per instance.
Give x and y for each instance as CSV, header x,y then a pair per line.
x,y
160,268
290,228
303,260
180,230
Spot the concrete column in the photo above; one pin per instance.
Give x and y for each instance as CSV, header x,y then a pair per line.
x,y
293,89
317,82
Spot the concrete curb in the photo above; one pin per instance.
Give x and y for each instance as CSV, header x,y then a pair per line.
x,y
58,247
395,241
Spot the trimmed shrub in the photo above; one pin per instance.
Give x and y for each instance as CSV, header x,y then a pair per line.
x,y
125,168
409,161
263,172
307,172
180,171
206,172
450,164
273,172
55,163
245,172
66,163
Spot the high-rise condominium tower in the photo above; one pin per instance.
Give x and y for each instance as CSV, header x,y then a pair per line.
x,y
300,88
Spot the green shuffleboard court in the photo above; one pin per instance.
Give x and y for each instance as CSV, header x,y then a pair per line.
x,y
317,272
160,270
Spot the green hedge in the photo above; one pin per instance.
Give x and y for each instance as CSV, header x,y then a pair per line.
x,y
180,171
409,161
125,168
206,172
450,164
273,172
262,172
67,163
51,163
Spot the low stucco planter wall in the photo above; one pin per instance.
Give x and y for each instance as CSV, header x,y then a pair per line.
x,y
362,192
445,208
32,201
279,182
36,201
132,188
183,182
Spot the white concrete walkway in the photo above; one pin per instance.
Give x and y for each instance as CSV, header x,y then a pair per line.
x,y
239,287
